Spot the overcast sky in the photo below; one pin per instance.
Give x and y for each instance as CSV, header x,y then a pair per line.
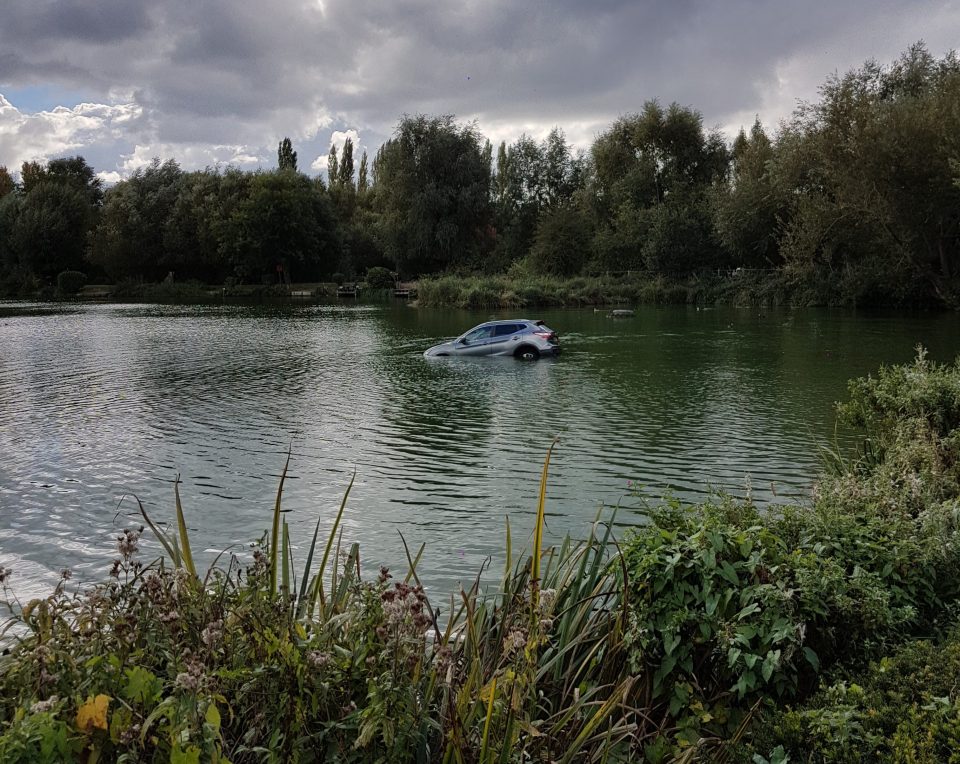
x,y
222,81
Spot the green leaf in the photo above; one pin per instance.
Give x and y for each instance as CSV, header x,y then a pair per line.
x,y
812,658
142,686
212,716
665,668
670,642
180,756
766,670
728,572
711,603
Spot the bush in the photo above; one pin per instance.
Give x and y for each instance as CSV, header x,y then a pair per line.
x,y
905,708
70,282
730,606
380,278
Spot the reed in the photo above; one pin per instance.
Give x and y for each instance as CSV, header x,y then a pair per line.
x,y
250,664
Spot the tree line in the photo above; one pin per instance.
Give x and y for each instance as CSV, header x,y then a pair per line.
x,y
857,195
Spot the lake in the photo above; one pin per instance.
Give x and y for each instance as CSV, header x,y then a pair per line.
x,y
99,401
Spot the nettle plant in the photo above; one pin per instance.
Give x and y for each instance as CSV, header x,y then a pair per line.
x,y
732,606
712,615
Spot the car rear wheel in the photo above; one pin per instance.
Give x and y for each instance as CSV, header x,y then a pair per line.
x,y
527,353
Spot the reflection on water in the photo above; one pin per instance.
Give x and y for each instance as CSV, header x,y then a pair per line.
x,y
100,401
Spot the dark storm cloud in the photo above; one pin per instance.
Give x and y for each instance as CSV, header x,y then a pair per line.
x,y
99,22
245,73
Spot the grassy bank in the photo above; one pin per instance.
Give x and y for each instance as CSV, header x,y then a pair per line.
x,y
716,632
765,288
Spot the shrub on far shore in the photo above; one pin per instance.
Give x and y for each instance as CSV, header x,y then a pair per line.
x,y
70,282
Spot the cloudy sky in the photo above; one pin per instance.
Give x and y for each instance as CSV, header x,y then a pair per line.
x,y
222,81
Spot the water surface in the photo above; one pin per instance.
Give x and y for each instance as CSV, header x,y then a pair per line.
x,y
98,401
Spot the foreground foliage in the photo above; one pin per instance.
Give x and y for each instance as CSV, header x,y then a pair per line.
x,y
718,633
247,665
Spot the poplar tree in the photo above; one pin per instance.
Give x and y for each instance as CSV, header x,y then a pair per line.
x,y
332,168
362,174
345,178
286,156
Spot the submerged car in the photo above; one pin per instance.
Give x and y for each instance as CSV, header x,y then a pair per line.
x,y
519,337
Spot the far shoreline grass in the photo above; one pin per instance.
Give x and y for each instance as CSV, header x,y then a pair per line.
x,y
506,291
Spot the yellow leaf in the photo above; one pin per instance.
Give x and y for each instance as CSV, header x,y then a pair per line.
x,y
93,713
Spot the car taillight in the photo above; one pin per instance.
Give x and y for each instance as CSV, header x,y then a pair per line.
x,y
546,335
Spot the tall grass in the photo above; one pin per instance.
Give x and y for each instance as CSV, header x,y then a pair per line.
x,y
513,291
241,664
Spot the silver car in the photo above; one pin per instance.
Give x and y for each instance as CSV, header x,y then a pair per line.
x,y
519,337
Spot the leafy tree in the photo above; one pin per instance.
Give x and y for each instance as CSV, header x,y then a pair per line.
x,y
343,192
362,174
874,207
657,157
76,172
563,241
747,209
333,167
285,227
7,186
345,173
50,231
31,175
286,156
432,191
129,241
531,179
199,233
678,235
9,212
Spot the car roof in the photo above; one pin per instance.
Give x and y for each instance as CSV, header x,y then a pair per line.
x,y
508,321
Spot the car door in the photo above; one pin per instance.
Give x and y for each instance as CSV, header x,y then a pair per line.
x,y
475,342
504,339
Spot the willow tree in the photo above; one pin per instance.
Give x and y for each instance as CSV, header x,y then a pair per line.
x,y
432,193
652,171
871,171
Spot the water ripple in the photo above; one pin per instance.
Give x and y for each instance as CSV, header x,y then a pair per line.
x,y
98,402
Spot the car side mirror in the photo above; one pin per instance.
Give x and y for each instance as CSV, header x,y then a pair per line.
x,y
463,341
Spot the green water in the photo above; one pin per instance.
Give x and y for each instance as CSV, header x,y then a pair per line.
x,y
98,401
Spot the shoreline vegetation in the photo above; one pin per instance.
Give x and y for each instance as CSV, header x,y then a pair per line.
x,y
826,631
853,200
738,287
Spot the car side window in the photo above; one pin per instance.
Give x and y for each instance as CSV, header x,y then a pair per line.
x,y
505,330
479,334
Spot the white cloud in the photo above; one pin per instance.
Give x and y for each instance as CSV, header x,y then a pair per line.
x,y
190,156
339,138
320,163
47,134
109,178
